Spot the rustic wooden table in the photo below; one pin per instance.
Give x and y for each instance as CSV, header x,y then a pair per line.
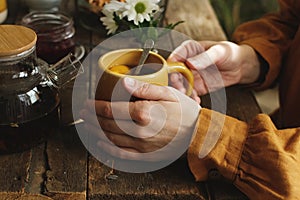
x,y
60,168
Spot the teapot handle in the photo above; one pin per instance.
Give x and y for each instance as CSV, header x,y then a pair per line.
x,y
65,70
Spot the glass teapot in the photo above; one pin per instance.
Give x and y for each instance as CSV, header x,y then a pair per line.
x,y
29,85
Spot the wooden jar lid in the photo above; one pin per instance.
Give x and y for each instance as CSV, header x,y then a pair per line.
x,y
15,39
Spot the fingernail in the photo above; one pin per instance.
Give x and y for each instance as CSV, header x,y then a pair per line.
x,y
130,82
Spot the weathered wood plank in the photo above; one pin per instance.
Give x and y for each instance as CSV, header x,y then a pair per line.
x,y
221,189
243,104
20,196
14,171
200,21
172,182
240,102
37,169
15,167
67,163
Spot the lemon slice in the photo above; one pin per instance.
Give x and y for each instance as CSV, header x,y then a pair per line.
x,y
120,69
2,5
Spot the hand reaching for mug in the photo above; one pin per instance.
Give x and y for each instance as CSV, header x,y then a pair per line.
x,y
164,121
215,65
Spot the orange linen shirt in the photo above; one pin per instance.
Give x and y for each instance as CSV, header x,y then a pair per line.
x,y
261,160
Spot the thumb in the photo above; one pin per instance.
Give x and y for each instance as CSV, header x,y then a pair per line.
x,y
148,91
206,44
205,59
185,50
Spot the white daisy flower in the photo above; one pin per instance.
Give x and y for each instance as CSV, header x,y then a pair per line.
x,y
109,22
114,6
140,10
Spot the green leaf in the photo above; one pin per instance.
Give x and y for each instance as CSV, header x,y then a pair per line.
x,y
172,26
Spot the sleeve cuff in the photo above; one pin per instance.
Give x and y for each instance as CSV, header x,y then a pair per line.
x,y
217,144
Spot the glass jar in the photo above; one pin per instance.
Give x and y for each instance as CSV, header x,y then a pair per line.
x,y
25,93
55,32
28,104
29,97
42,4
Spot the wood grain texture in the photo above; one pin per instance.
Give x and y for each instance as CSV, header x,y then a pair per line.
x,y
14,171
172,182
239,102
66,175
243,104
200,21
21,196
15,39
37,169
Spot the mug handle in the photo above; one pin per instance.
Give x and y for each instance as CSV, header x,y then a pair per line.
x,y
181,68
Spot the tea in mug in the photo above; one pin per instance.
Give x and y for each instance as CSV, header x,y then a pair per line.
x,y
129,70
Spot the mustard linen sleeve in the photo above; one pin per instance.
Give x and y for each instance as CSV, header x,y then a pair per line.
x,y
263,162
271,36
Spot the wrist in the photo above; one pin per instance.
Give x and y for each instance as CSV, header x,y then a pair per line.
x,y
251,65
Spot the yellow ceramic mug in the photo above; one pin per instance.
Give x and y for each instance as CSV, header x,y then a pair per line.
x,y
3,10
155,71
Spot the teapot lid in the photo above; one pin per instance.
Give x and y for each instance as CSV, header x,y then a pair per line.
x,y
15,39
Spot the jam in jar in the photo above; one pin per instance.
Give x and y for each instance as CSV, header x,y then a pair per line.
x,y
55,32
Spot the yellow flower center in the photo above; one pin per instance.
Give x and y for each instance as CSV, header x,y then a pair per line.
x,y
140,7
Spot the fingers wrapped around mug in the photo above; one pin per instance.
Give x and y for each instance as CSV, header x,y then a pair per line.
x,y
162,117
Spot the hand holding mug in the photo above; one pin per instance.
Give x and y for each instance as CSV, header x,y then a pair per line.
x,y
216,64
161,105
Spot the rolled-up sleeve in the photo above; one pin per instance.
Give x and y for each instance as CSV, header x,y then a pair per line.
x,y
260,160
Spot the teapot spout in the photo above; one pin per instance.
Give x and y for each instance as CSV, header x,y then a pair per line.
x,y
65,70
